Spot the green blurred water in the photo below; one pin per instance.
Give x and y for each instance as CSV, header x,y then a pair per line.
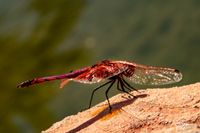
x,y
40,38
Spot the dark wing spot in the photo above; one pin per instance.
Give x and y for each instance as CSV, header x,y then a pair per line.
x,y
176,71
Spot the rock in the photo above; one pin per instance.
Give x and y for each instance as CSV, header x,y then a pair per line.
x,y
156,110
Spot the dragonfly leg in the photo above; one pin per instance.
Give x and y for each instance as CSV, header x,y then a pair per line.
x,y
113,81
96,90
123,89
128,85
118,87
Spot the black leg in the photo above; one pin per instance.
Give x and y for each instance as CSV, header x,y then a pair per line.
x,y
96,90
118,87
113,81
123,89
128,85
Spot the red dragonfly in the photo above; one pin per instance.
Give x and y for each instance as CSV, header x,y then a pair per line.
x,y
114,71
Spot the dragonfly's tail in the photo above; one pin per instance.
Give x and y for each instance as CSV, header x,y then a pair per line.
x,y
66,78
40,80
26,83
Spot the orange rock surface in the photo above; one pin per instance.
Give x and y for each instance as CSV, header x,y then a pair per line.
x,y
157,110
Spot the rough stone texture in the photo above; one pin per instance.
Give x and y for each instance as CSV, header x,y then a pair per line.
x,y
157,110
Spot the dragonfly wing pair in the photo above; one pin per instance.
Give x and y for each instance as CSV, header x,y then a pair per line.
x,y
136,73
147,75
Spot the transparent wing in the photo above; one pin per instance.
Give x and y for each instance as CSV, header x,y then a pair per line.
x,y
145,75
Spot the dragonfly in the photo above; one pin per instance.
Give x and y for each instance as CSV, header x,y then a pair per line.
x,y
109,72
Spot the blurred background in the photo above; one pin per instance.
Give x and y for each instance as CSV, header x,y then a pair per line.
x,y
49,37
